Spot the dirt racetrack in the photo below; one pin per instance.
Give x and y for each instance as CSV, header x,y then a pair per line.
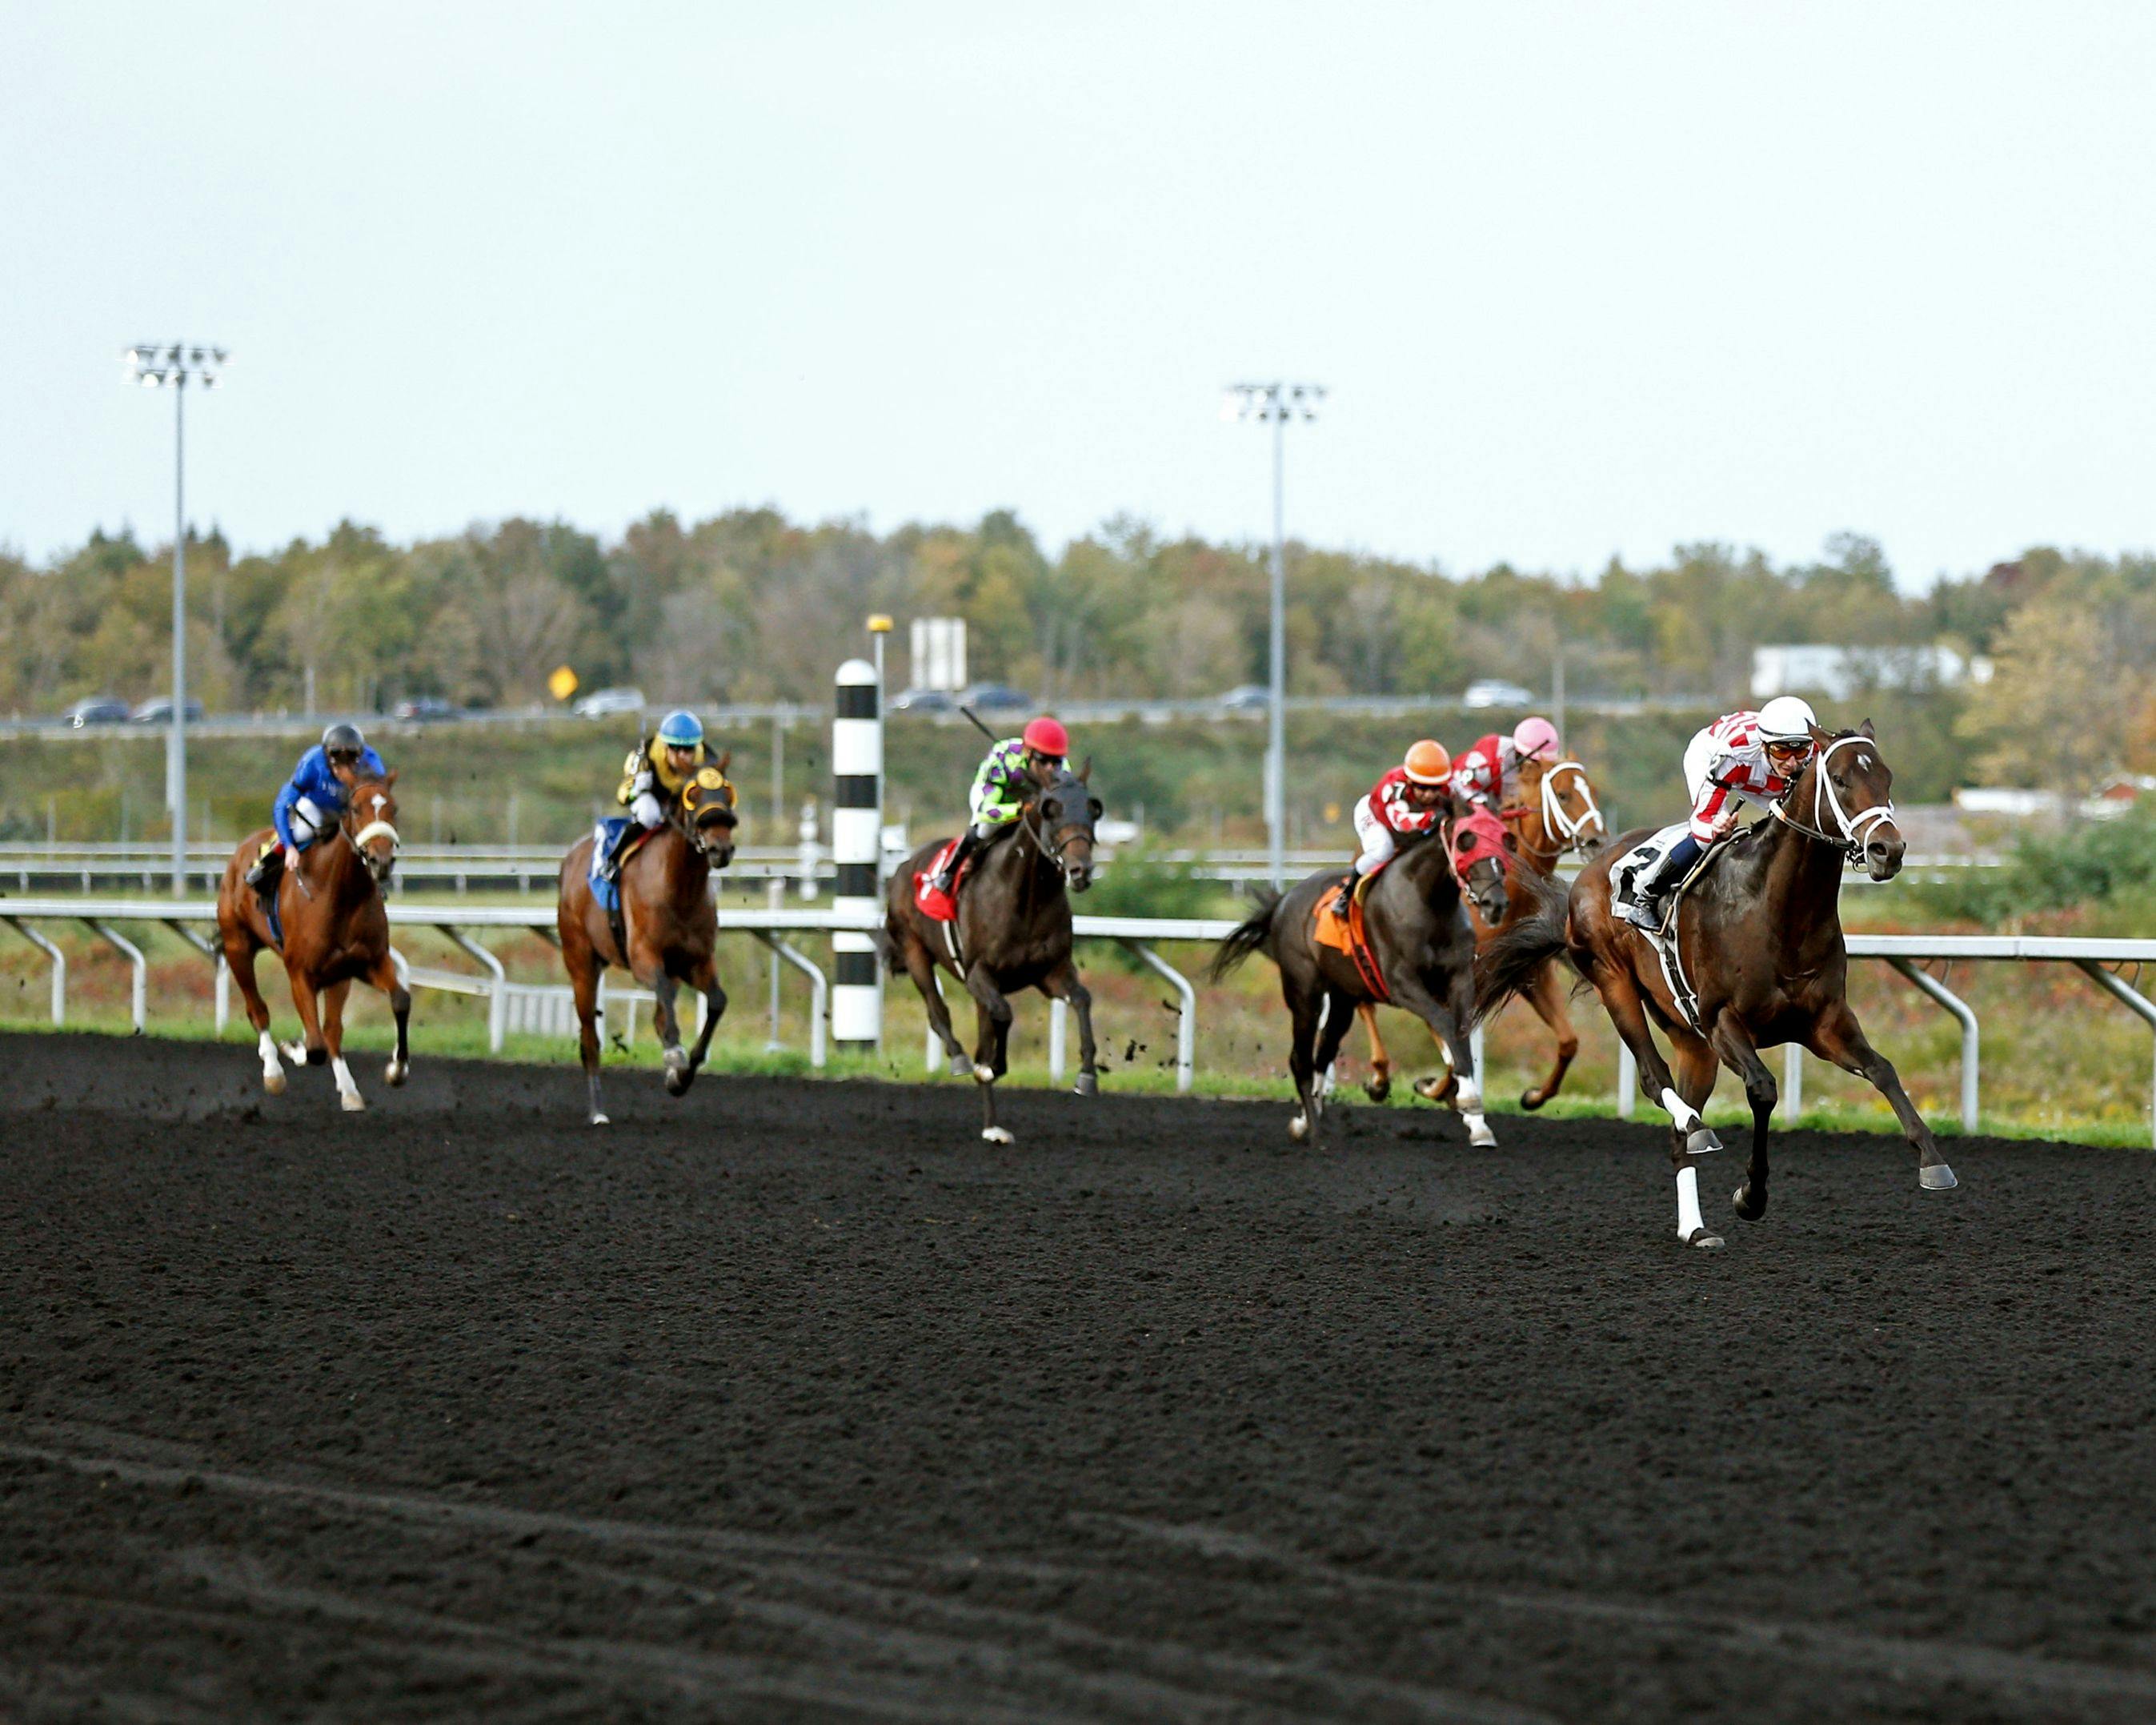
x,y
795,1401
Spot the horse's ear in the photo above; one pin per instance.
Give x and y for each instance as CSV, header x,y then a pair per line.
x,y
725,761
1865,730
1819,736
1086,772
390,776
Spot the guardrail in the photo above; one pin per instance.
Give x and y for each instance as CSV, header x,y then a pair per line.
x,y
544,1007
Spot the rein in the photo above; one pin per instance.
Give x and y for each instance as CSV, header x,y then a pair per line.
x,y
1856,829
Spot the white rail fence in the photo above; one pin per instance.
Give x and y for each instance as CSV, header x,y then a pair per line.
x,y
546,1008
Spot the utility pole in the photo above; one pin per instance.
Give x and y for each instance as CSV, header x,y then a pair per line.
x,y
173,365
1277,403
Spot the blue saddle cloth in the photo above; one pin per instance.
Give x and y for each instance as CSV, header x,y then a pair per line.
x,y
606,837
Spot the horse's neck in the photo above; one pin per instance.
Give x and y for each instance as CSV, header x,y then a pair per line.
x,y
1032,873
342,874
687,868
1798,888
1429,865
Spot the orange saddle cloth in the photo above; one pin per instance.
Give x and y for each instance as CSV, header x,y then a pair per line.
x,y
1348,936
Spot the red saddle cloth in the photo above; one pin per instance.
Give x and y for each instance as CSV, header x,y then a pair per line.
x,y
939,906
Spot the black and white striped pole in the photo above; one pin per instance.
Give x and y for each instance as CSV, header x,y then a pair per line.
x,y
856,838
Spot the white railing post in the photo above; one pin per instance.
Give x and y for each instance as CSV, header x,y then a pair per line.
x,y
2134,1001
1628,1080
1970,1040
1186,1024
1058,1033
1793,1080
59,966
142,965
819,995
497,996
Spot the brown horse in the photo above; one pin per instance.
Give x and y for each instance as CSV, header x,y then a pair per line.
x,y
669,926
1760,940
1425,949
1013,932
1555,812
336,930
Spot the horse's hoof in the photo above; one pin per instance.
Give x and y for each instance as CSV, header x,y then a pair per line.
x,y
1532,1099
1376,1089
600,1120
395,1073
1705,1241
1480,1136
1434,1090
1938,1178
1299,1127
1088,1085
1749,1208
961,1067
996,1134
983,1074
296,1052
677,1080
273,1082
353,1102
1702,1142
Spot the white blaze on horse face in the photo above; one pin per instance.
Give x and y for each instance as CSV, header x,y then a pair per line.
x,y
1681,1112
1689,1221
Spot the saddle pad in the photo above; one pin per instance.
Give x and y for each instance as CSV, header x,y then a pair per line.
x,y
606,891
1349,936
1626,872
939,906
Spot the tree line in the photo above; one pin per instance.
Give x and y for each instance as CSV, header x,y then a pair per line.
x,y
746,606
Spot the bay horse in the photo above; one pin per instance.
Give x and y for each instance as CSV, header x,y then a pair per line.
x,y
1013,932
1554,813
1419,935
668,927
1759,938
335,929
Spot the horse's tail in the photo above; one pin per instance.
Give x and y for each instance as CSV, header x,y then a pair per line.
x,y
1514,957
1253,934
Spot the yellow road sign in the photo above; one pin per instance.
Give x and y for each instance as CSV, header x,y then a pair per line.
x,y
563,683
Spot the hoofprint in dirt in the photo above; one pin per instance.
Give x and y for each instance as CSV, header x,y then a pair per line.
x,y
792,1400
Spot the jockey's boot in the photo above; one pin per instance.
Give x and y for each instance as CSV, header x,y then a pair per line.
x,y
1343,900
610,858
946,877
262,876
1650,907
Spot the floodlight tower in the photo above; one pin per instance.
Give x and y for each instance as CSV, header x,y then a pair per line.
x,y
174,365
1277,403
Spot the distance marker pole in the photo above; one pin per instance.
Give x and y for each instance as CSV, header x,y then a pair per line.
x,y
856,832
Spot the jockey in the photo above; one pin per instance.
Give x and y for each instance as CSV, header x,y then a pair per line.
x,y
653,777
1013,768
1489,773
1405,802
312,801
1741,757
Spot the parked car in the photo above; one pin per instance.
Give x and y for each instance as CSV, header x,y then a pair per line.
x,y
605,703
1495,691
97,710
921,701
995,698
422,707
1247,698
158,710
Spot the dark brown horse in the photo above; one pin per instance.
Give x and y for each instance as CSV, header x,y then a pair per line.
x,y
1013,932
1761,944
1554,812
668,926
336,931
1417,926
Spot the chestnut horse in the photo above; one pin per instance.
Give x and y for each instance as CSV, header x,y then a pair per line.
x,y
1424,948
1555,812
1013,932
669,926
1759,938
335,928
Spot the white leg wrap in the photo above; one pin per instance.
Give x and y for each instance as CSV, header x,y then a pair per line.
x,y
1468,1096
1686,1116
347,1091
1689,1222
270,1064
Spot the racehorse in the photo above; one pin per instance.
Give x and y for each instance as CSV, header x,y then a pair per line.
x,y
335,928
667,927
1760,944
1420,941
1556,812
1013,932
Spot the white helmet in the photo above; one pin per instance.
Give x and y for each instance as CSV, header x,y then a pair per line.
x,y
1787,719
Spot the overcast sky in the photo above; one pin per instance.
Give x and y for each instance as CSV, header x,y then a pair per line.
x,y
1583,279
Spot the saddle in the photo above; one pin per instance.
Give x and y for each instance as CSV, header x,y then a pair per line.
x,y
942,907
607,888
266,895
1623,877
1348,935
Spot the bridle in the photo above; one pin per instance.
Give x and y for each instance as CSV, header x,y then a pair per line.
x,y
1571,832
1856,830
1030,823
376,829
